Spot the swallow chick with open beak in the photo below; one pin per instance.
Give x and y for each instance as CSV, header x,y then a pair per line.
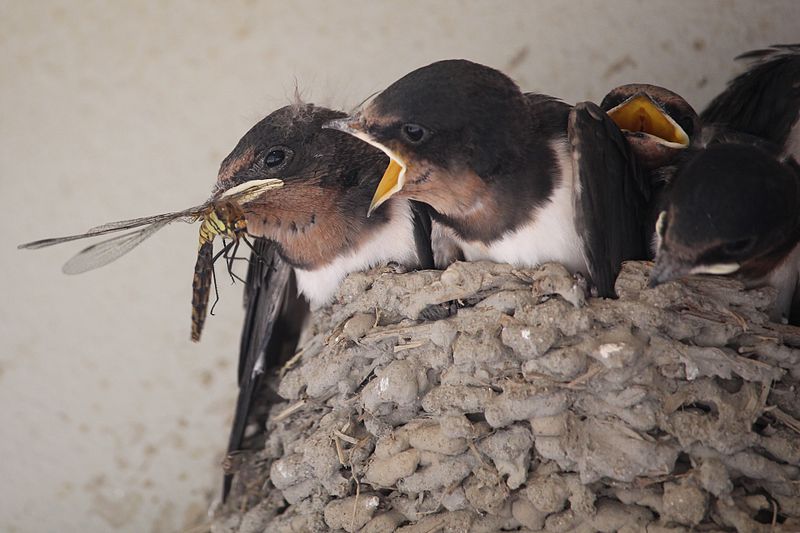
x,y
664,132
658,124
517,178
310,236
660,127
733,208
764,100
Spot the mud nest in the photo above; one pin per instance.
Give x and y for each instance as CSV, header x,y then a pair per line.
x,y
492,398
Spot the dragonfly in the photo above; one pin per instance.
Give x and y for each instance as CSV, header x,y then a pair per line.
x,y
221,215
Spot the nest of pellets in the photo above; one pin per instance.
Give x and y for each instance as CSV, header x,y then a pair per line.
x,y
487,397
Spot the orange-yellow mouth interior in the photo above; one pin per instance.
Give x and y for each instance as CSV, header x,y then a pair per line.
x,y
391,182
642,115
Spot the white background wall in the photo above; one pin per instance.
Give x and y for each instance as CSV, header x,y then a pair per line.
x,y
110,419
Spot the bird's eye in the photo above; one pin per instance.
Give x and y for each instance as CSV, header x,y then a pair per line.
x,y
738,248
274,158
413,133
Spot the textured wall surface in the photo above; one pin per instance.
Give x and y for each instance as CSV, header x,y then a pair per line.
x,y
111,418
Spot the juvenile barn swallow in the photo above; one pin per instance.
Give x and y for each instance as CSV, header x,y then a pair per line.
x,y
664,132
692,180
318,219
657,123
313,233
765,99
518,178
734,209
660,127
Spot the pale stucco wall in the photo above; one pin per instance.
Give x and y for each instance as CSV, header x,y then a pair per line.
x,y
110,418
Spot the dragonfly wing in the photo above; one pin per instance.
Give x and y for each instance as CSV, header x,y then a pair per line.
x,y
241,194
50,242
104,252
187,215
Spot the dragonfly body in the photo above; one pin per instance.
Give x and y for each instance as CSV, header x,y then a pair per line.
x,y
225,219
201,286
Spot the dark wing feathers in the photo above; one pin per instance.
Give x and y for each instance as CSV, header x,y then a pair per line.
x,y
611,195
273,316
422,235
765,99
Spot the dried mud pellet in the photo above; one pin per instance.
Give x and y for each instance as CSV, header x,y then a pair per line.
x,y
528,515
457,399
547,494
351,513
684,504
383,522
430,438
397,383
385,472
510,451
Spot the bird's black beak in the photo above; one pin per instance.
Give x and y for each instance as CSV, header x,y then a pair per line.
x,y
667,268
393,177
352,125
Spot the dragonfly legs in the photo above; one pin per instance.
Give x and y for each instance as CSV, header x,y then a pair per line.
x,y
252,248
229,253
222,253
